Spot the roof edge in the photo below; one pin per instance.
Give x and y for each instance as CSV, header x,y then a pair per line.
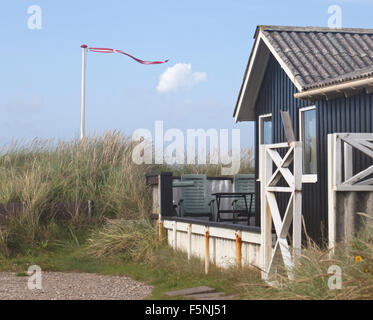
x,y
340,87
237,107
260,36
314,29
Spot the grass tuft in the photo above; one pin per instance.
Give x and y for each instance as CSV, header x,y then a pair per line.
x,y
131,239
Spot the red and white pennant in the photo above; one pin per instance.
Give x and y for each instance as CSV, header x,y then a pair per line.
x,y
108,50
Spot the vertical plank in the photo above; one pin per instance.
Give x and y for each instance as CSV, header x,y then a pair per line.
x,y
331,192
263,243
337,161
174,235
266,219
213,249
348,161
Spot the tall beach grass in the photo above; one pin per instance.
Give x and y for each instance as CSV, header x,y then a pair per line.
x,y
43,173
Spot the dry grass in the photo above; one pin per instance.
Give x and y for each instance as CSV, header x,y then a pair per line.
x,y
135,240
311,273
42,173
138,242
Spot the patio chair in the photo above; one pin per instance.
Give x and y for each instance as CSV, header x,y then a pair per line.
x,y
244,183
194,200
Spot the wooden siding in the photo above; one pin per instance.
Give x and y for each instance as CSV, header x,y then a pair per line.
x,y
353,114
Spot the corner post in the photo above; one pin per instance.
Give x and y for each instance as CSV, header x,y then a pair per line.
x,y
297,200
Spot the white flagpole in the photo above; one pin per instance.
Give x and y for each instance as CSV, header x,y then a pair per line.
x,y
82,110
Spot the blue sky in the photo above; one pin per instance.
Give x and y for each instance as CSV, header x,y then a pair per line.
x,y
40,70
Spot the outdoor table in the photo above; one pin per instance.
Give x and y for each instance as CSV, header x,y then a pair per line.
x,y
233,195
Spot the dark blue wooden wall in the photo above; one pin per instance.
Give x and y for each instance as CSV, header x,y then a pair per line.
x,y
353,114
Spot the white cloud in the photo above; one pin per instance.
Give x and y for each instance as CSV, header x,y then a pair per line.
x,y
179,76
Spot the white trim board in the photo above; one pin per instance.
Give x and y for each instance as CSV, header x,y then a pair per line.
x,y
306,178
260,128
259,41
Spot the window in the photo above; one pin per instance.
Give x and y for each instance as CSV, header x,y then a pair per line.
x,y
265,129
307,130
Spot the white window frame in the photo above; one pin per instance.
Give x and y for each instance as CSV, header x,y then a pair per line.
x,y
306,178
261,117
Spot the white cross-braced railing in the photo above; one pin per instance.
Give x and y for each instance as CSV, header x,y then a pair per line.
x,y
272,168
341,176
341,146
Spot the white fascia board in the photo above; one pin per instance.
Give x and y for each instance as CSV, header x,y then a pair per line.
x,y
247,76
281,62
262,38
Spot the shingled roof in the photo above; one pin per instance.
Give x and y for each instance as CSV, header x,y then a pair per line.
x,y
312,57
322,56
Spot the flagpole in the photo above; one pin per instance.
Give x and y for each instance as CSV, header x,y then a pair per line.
x,y
82,107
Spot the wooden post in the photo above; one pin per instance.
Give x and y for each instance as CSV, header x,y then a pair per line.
x,y
238,250
266,219
331,193
337,161
288,126
207,250
160,230
297,200
189,241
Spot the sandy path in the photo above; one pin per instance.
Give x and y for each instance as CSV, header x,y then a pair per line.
x,y
73,286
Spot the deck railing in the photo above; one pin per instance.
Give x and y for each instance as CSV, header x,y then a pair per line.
x,y
273,168
350,192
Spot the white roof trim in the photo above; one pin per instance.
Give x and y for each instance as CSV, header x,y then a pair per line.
x,y
246,80
261,39
281,62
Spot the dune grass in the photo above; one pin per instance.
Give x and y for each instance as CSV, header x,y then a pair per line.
x,y
42,173
120,238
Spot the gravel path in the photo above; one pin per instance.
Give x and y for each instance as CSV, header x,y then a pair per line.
x,y
73,286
